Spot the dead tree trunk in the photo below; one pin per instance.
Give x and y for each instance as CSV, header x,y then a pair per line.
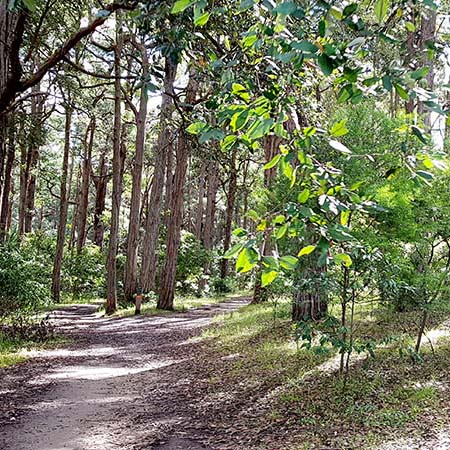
x,y
63,206
168,274
130,282
111,267
162,150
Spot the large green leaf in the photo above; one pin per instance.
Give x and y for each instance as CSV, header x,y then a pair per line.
x,y
181,5
247,260
267,276
381,9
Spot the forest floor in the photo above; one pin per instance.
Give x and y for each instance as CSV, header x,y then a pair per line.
x,y
213,378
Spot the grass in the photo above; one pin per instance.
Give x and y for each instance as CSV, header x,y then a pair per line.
x,y
385,396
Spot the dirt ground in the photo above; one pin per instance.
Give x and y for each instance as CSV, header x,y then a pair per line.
x,y
119,384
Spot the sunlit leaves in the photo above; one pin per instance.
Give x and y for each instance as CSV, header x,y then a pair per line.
x,y
339,147
339,129
381,9
288,262
248,258
181,5
306,250
273,162
268,276
344,259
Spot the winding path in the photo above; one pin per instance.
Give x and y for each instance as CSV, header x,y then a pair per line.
x,y
120,384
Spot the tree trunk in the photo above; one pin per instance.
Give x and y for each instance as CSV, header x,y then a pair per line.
x,y
210,213
310,299
63,206
168,275
162,150
130,282
111,266
231,198
270,145
84,190
200,206
101,184
7,184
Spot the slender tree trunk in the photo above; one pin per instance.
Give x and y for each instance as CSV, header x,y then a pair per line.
x,y
6,192
84,190
101,184
168,275
33,158
130,282
271,144
111,266
210,213
231,198
162,150
63,206
199,224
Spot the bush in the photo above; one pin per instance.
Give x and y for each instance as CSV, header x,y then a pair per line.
x,y
23,278
84,274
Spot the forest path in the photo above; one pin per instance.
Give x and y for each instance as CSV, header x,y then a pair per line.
x,y
120,384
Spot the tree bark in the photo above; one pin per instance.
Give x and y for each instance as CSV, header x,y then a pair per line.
x,y
63,206
83,203
130,282
7,184
231,198
199,224
310,299
101,184
111,266
162,150
210,213
168,275
270,145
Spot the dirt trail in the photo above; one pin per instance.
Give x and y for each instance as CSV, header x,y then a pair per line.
x,y
121,384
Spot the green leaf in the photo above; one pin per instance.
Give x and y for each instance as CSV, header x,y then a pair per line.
x,y
267,277
181,5
419,134
419,73
305,46
228,142
303,196
272,163
339,128
288,262
343,258
239,232
339,147
252,214
281,231
287,169
306,250
239,120
286,8
340,233
345,216
425,175
247,260
240,91
233,251
410,27
202,20
326,64
196,127
259,129
31,5
381,9
401,91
